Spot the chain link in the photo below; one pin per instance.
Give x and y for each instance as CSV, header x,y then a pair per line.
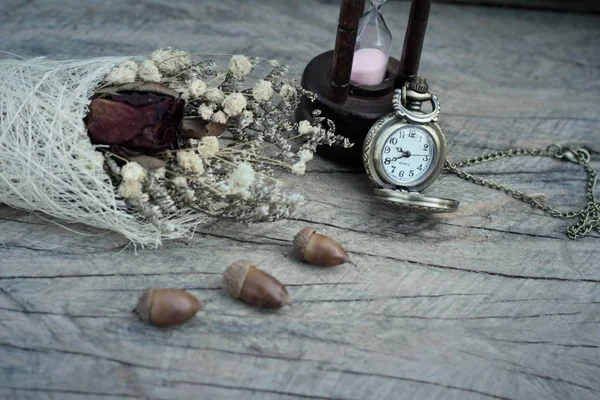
x,y
589,215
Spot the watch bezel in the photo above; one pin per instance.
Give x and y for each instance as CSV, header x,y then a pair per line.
x,y
416,201
373,147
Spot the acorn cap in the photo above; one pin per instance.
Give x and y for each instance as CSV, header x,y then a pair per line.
x,y
235,276
301,241
144,304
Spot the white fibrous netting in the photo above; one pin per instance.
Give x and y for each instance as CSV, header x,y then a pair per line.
x,y
47,162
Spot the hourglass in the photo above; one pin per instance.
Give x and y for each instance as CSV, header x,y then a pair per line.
x,y
355,82
372,49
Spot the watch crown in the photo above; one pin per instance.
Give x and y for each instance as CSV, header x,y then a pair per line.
x,y
419,85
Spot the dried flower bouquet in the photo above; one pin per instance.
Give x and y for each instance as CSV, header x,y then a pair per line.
x,y
151,147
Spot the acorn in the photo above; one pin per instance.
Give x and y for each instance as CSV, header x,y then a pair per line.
x,y
317,249
165,307
244,281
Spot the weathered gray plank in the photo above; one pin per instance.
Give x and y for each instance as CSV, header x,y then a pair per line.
x,y
490,302
554,5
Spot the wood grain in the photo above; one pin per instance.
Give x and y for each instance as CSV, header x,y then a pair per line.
x,y
493,302
584,6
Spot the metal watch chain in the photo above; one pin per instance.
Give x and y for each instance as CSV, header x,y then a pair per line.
x,y
589,215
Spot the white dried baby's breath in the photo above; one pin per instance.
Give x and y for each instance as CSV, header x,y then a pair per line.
x,y
214,95
171,61
219,117
209,147
197,88
206,111
158,173
246,119
240,66
126,72
183,91
149,72
89,158
288,92
262,91
113,166
189,160
305,155
234,104
133,171
231,181
180,182
305,128
299,168
241,178
130,189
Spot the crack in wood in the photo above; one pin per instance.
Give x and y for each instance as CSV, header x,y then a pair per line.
x,y
568,345
520,369
220,287
84,354
15,300
503,231
323,284
534,299
254,389
84,251
247,354
491,273
10,246
140,290
421,381
338,227
101,275
240,240
477,318
370,299
522,117
35,312
550,378
71,391
22,222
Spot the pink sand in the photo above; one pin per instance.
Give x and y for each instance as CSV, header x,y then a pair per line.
x,y
369,66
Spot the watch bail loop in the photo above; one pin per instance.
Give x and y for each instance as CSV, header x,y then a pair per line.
x,y
401,96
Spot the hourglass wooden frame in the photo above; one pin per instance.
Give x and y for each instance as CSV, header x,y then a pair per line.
x,y
353,107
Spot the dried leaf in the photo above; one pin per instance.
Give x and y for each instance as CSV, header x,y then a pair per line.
x,y
149,163
216,129
197,128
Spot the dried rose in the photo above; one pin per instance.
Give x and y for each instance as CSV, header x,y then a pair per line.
x,y
135,122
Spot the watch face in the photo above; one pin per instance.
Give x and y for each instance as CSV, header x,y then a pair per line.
x,y
408,155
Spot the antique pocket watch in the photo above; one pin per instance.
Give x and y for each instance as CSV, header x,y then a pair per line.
x,y
404,152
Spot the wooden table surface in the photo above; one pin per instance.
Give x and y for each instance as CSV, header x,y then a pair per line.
x,y
490,302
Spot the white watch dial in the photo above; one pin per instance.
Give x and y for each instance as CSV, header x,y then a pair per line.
x,y
407,155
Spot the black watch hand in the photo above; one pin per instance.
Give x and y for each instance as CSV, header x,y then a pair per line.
x,y
404,155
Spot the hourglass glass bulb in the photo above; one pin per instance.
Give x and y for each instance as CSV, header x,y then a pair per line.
x,y
372,50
